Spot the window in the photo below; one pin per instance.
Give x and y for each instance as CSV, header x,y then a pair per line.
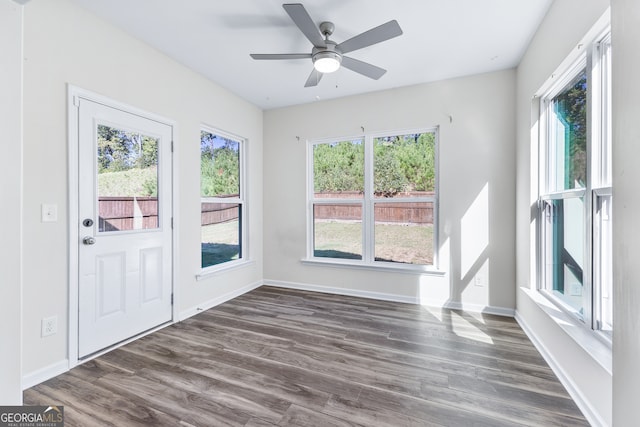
x,y
575,198
222,199
372,199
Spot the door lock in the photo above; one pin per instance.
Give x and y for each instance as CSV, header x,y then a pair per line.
x,y
87,222
89,240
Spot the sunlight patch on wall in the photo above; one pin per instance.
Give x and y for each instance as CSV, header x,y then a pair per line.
x,y
474,228
477,288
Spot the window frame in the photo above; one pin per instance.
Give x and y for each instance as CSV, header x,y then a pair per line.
x,y
368,202
241,201
596,61
603,174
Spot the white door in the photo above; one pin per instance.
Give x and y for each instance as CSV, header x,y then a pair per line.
x,y
124,229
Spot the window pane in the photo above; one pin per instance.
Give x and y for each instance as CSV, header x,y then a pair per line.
x,y
221,230
404,232
568,136
565,261
339,168
603,262
337,231
404,165
127,180
219,166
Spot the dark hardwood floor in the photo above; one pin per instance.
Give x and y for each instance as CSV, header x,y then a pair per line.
x,y
287,357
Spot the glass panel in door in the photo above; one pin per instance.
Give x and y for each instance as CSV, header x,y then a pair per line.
x,y
127,180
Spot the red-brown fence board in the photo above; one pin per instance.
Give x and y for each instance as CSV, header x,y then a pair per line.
x,y
117,213
394,212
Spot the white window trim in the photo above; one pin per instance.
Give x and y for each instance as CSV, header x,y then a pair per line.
x,y
567,71
215,270
244,259
368,260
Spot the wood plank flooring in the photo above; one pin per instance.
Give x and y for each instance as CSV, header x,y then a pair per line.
x,y
278,357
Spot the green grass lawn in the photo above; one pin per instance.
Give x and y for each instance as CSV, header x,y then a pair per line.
x,y
338,239
412,244
220,243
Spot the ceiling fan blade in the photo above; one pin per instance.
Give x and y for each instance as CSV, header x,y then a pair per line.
x,y
280,55
363,68
314,78
301,18
375,35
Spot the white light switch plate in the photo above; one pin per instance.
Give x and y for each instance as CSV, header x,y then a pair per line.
x,y
49,213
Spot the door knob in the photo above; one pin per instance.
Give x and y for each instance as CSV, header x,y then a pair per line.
x,y
88,240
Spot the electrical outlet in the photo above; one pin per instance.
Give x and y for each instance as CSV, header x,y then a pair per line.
x,y
49,326
478,280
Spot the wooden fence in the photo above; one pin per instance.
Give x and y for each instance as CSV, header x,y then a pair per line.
x,y
216,213
393,212
136,213
129,213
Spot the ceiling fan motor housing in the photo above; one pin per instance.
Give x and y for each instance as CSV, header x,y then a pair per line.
x,y
326,28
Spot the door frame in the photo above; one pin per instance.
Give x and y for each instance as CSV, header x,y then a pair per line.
x,y
74,94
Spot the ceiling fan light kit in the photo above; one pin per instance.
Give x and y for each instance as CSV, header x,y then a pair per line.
x,y
326,61
326,55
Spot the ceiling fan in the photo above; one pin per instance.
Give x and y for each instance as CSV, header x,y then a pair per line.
x,y
327,55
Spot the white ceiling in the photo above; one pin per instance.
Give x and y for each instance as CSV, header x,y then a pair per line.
x,y
442,39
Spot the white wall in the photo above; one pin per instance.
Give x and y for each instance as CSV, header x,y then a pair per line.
x,y
625,15
10,175
566,22
67,45
477,149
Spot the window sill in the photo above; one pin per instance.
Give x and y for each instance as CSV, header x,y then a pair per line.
x,y
397,268
586,338
223,268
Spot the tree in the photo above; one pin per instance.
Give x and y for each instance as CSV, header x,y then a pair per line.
x,y
219,165
570,107
401,163
412,156
416,154
338,166
120,150
388,175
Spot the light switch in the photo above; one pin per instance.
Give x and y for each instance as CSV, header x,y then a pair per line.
x,y
49,213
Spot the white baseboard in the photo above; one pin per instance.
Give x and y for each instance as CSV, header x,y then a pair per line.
x,y
341,291
588,411
478,308
500,311
34,378
206,305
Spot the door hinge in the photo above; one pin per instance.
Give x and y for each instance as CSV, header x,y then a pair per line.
x,y
171,298
172,223
172,146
